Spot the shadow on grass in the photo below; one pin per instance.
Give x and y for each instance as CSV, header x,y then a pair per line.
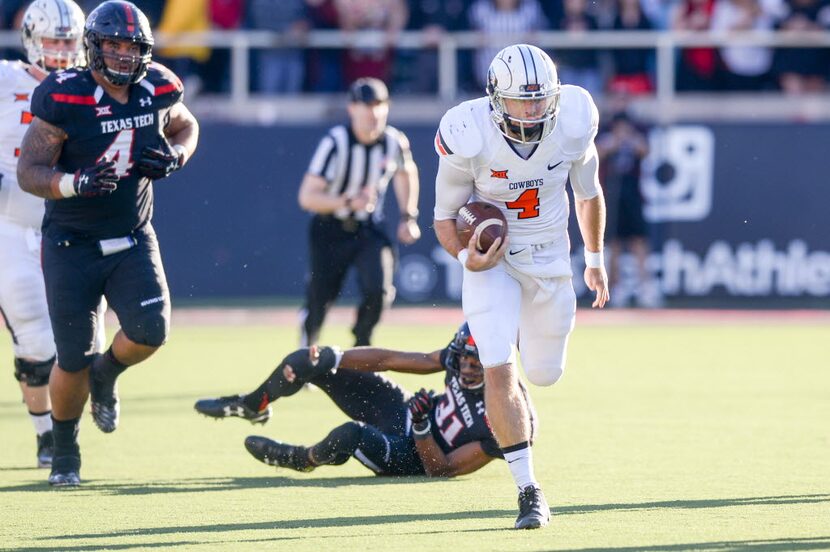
x,y
314,523
694,504
794,543
205,484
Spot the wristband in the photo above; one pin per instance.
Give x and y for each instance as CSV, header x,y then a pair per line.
x,y
594,259
421,430
462,257
413,215
66,185
181,151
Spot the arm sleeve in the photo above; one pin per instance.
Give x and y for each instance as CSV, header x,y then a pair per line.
x,y
584,174
453,188
323,157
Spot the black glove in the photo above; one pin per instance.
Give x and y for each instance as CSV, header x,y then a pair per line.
x,y
419,406
97,181
158,162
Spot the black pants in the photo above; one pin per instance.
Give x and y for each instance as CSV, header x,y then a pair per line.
x,y
377,437
133,281
334,249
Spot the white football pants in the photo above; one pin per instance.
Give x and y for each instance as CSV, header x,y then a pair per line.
x,y
508,310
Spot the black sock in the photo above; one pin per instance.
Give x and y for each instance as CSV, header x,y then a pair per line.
x,y
106,366
65,434
303,371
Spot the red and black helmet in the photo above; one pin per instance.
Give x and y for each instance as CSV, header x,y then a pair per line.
x,y
120,21
461,345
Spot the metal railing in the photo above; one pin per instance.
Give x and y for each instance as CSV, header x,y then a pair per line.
x,y
664,43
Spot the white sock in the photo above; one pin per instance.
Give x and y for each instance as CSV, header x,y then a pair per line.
x,y
520,461
42,421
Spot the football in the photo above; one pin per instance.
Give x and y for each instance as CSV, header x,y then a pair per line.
x,y
483,220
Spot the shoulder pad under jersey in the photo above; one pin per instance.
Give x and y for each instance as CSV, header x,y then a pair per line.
x,y
9,71
458,133
577,120
163,83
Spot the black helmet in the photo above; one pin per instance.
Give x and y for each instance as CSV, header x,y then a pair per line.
x,y
463,344
118,20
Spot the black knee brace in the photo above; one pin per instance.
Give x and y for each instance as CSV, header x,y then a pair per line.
x,y
33,374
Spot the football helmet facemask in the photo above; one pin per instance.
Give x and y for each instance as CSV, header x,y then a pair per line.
x,y
523,88
120,21
57,20
462,360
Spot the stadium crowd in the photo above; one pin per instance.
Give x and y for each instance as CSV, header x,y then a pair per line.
x,y
631,71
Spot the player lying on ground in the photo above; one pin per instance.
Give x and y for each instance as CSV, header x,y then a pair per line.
x,y
394,432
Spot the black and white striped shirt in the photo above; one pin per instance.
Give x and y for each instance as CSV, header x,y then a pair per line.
x,y
349,166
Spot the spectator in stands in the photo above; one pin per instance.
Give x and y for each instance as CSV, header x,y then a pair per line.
x,y
632,66
185,16
621,150
225,15
517,17
578,66
801,70
153,9
697,67
279,70
744,67
11,13
435,18
388,16
324,72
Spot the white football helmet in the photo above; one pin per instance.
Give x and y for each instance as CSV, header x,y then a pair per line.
x,y
523,87
56,19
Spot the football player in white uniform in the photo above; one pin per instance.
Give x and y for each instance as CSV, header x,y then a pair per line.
x,y
516,149
52,38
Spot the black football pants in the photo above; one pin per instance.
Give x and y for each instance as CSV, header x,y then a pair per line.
x,y
334,249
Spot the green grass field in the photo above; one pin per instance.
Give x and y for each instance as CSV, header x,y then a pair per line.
x,y
658,438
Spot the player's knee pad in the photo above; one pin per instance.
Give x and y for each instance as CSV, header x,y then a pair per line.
x,y
545,375
151,329
544,363
38,342
73,360
33,373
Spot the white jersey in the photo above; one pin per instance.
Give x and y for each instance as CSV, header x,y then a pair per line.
x,y
477,163
16,86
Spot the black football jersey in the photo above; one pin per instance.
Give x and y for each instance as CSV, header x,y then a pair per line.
x,y
458,417
97,126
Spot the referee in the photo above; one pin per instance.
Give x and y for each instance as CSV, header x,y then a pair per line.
x,y
345,187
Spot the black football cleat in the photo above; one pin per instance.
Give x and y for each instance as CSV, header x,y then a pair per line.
x,y
279,454
66,471
103,394
45,449
533,509
232,405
